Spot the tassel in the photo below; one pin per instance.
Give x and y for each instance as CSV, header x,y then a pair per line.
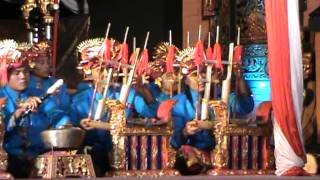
x,y
170,59
144,63
238,50
199,54
209,53
217,55
107,53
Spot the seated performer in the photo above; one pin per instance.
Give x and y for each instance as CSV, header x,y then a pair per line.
x,y
41,69
193,142
22,137
98,139
163,86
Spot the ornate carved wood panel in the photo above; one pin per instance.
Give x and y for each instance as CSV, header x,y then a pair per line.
x,y
250,16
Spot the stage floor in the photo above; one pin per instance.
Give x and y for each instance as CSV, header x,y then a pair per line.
x,y
257,177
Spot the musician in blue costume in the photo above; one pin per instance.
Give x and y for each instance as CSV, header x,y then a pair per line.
x,y
98,139
22,136
41,69
193,143
163,85
91,55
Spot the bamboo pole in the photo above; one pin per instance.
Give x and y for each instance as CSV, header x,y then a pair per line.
x,y
217,34
125,70
238,37
97,81
209,39
198,103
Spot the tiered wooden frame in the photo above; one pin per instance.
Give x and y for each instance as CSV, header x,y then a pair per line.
x,y
226,133
121,131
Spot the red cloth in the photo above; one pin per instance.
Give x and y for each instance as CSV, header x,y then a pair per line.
x,y
124,53
170,59
199,54
217,55
107,52
296,171
164,110
11,59
131,60
263,111
3,102
195,155
237,55
209,53
144,63
3,71
280,75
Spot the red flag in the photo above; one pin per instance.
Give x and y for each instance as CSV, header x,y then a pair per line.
x,y
170,59
131,60
209,53
107,52
164,110
144,62
199,54
237,55
217,55
124,53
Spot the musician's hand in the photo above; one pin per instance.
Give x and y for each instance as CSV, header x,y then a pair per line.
x,y
141,80
218,74
31,103
145,78
191,128
85,123
205,124
237,71
19,112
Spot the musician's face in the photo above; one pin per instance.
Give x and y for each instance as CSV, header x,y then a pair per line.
x,y
307,65
99,76
90,53
194,82
19,78
169,82
42,67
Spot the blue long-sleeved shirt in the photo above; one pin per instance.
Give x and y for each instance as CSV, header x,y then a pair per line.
x,y
23,136
150,110
184,111
80,107
63,98
97,138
